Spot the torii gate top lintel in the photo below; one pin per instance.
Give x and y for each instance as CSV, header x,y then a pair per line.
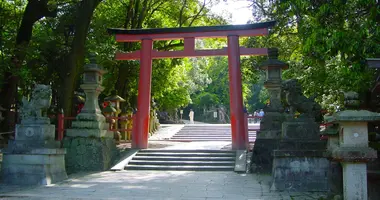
x,y
188,34
245,30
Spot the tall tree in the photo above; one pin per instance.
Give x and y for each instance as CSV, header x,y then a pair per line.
x,y
74,60
332,39
34,11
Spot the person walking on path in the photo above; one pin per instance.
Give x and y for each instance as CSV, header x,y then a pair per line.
x,y
191,116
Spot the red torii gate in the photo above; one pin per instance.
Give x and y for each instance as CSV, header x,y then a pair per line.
x,y
188,34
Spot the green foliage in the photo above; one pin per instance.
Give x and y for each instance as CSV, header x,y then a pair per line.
x,y
326,43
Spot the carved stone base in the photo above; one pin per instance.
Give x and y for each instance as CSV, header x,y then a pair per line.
x,y
35,132
262,159
89,154
307,130
300,171
38,167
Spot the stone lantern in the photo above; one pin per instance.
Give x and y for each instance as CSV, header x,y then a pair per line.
x,y
270,125
92,80
115,102
273,79
90,145
109,112
353,151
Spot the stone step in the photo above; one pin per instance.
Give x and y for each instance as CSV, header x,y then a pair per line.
x,y
187,150
180,168
189,158
206,135
204,139
181,154
182,163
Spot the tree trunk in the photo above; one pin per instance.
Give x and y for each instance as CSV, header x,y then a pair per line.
x,y
75,59
34,11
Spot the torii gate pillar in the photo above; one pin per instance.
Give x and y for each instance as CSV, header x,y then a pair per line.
x,y
236,98
140,135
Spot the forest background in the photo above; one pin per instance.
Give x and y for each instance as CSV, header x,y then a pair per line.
x,y
325,43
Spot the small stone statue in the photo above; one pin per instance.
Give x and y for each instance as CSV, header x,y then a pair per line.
x,y
36,107
296,101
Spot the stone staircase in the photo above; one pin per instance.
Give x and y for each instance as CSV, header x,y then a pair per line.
x,y
183,160
210,132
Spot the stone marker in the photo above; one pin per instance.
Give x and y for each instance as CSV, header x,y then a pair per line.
x,y
34,157
353,151
90,146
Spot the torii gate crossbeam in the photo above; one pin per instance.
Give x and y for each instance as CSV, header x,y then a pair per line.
x,y
189,34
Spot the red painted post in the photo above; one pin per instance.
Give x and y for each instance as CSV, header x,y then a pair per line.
x,y
236,98
140,136
60,124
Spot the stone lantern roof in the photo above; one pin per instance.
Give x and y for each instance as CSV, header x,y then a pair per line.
x,y
273,61
109,109
92,66
114,97
352,114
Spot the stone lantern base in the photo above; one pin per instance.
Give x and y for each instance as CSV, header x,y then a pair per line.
x,y
90,147
89,153
267,140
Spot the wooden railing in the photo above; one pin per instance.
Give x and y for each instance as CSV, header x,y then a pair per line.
x,y
61,119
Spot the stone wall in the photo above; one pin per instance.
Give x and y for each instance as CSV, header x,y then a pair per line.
x,y
89,154
300,174
262,158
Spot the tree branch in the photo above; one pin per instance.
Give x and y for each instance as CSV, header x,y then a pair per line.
x,y
181,14
196,16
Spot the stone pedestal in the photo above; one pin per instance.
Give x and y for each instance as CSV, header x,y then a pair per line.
x,y
34,157
89,153
299,164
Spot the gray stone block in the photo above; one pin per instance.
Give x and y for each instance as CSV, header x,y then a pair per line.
x,y
35,132
262,158
26,146
30,169
301,130
89,154
300,174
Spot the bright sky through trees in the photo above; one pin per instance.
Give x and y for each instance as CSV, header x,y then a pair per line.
x,y
237,11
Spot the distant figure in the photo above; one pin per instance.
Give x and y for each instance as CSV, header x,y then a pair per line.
x,y
255,114
221,116
191,116
261,114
